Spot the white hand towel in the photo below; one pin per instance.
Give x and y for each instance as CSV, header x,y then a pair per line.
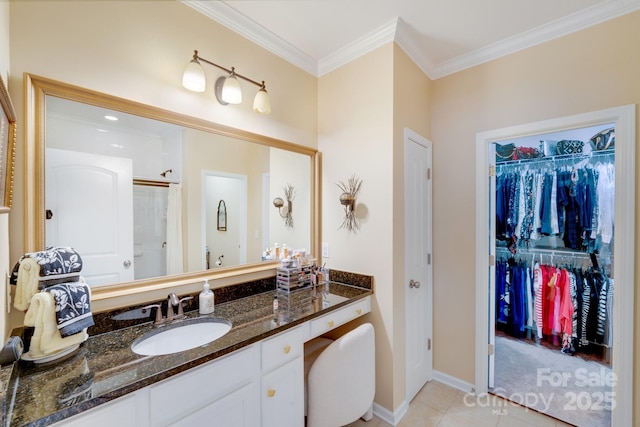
x,y
27,283
46,337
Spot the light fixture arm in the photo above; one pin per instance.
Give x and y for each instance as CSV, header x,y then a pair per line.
x,y
229,71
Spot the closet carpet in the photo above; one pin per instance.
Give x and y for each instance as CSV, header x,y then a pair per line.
x,y
565,387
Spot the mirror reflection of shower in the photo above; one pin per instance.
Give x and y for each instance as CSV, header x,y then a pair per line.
x,y
149,230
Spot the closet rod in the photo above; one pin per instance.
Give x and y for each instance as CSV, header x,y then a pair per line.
x,y
561,157
547,252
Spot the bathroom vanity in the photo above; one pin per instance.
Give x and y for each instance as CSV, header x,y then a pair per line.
x,y
252,376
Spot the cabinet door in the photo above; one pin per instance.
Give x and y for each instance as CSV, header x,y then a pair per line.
x,y
283,396
236,409
182,395
121,412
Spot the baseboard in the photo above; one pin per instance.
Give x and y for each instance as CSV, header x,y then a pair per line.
x,y
454,382
391,418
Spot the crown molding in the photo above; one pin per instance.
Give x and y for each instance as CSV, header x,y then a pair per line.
x,y
220,12
376,38
560,27
408,43
398,32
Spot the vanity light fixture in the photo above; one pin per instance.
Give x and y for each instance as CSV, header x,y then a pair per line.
x,y
278,202
227,88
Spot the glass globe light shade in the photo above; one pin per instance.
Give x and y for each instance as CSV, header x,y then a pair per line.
x,y
262,103
193,76
231,92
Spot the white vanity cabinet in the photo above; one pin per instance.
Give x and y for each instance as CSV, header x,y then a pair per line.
x,y
282,382
259,385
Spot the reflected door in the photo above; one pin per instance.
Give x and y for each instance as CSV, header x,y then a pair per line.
x,y
89,207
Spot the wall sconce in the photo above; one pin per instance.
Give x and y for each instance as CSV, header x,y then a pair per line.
x,y
227,88
289,194
348,199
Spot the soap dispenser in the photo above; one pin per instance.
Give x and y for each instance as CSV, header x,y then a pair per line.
x,y
206,299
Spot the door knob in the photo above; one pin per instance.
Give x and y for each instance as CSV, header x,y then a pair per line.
x,y
126,263
414,284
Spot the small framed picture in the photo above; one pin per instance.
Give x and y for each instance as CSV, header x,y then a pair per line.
x,y
222,216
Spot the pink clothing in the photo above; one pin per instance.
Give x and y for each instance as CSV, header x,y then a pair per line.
x,y
566,303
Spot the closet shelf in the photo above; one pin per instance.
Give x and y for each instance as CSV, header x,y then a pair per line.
x,y
574,158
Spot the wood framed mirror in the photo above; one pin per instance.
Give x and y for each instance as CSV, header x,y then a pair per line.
x,y
261,173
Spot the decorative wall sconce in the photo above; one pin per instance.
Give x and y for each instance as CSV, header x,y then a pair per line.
x,y
227,88
348,199
289,194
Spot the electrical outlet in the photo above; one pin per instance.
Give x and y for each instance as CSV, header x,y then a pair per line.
x,y
325,250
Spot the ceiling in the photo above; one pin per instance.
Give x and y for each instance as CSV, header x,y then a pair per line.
x,y
441,36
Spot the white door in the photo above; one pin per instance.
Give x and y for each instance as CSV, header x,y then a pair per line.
x,y
90,201
418,270
229,246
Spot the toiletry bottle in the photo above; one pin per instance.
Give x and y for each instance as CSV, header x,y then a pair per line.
x,y
276,249
285,251
206,299
275,304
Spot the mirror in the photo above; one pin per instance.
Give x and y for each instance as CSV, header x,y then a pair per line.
x,y
154,195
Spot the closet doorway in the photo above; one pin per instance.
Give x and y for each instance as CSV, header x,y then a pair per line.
x,y
507,332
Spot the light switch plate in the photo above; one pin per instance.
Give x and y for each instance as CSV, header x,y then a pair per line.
x,y
325,250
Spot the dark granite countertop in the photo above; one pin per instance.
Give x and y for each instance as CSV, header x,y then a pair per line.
x,y
104,367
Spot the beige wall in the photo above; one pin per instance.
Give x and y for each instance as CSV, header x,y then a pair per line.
x,y
362,111
590,70
411,109
355,120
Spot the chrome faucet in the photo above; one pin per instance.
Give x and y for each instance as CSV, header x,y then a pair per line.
x,y
172,301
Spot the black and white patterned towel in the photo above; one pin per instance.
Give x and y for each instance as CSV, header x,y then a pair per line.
x,y
73,307
54,261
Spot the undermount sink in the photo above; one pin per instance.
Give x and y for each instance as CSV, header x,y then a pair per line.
x,y
181,336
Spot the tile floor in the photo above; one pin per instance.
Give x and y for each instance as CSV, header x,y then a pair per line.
x,y
438,405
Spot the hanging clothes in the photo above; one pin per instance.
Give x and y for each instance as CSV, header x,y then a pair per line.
x,y
569,306
573,201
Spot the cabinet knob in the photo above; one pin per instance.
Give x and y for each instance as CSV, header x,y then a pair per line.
x,y
271,392
359,311
331,323
287,349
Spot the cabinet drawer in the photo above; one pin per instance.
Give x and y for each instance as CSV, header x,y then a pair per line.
x,y
284,347
339,317
178,396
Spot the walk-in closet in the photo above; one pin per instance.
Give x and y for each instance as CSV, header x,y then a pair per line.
x,y
554,292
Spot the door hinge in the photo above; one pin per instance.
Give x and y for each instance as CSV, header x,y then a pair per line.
x,y
428,174
492,260
428,259
491,349
428,343
492,171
